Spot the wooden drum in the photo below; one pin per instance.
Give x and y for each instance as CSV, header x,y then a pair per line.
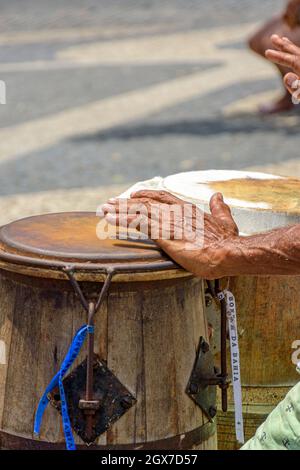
x,y
147,331
268,307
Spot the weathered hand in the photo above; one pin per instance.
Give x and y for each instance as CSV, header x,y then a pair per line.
x,y
287,54
207,249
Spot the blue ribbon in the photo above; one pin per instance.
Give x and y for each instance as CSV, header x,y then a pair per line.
x,y
58,381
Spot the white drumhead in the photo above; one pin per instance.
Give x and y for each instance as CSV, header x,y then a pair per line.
x,y
199,186
259,201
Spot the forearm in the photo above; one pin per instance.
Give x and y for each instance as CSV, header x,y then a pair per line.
x,y
270,253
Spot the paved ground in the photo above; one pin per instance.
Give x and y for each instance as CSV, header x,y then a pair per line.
x,y
105,94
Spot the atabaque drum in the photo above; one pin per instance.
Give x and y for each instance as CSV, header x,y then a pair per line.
x,y
128,385
268,307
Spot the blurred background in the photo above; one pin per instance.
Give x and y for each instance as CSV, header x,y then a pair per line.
x,y
101,94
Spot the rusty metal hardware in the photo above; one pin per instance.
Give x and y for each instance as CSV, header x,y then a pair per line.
x,y
90,404
91,417
213,288
204,379
223,386
208,300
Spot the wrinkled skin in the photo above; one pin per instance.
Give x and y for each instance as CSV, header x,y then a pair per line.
x,y
219,230
224,252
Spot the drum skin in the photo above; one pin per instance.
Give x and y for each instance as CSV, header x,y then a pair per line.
x,y
147,331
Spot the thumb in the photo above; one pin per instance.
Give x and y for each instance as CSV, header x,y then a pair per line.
x,y
292,83
222,212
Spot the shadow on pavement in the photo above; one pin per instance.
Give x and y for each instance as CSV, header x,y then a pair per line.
x,y
287,124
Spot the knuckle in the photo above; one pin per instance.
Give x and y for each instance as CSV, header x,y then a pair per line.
x,y
295,62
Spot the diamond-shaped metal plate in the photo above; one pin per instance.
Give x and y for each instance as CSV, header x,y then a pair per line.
x,y
202,383
114,399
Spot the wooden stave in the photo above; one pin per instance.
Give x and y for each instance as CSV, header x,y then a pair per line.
x,y
265,386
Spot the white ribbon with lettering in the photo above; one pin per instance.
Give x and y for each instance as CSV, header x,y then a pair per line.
x,y
235,365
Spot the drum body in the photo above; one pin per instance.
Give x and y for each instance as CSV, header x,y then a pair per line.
x,y
268,307
146,333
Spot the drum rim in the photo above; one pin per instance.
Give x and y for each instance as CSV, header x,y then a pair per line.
x,y
20,248
52,260
12,258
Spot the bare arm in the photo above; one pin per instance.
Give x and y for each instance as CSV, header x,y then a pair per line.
x,y
215,250
270,253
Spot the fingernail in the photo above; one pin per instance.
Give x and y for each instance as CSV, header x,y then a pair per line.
x,y
292,81
112,200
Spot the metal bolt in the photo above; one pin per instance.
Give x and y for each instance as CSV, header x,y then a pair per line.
x,y
193,388
205,347
126,402
208,300
212,411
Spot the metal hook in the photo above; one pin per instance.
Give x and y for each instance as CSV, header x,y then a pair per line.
x,y
89,405
224,384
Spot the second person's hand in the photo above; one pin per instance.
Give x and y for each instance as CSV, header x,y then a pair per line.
x,y
286,53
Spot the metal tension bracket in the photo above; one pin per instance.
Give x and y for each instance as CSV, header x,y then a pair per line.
x,y
205,377
96,398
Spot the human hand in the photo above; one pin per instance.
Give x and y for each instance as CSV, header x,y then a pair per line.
x,y
208,247
288,54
